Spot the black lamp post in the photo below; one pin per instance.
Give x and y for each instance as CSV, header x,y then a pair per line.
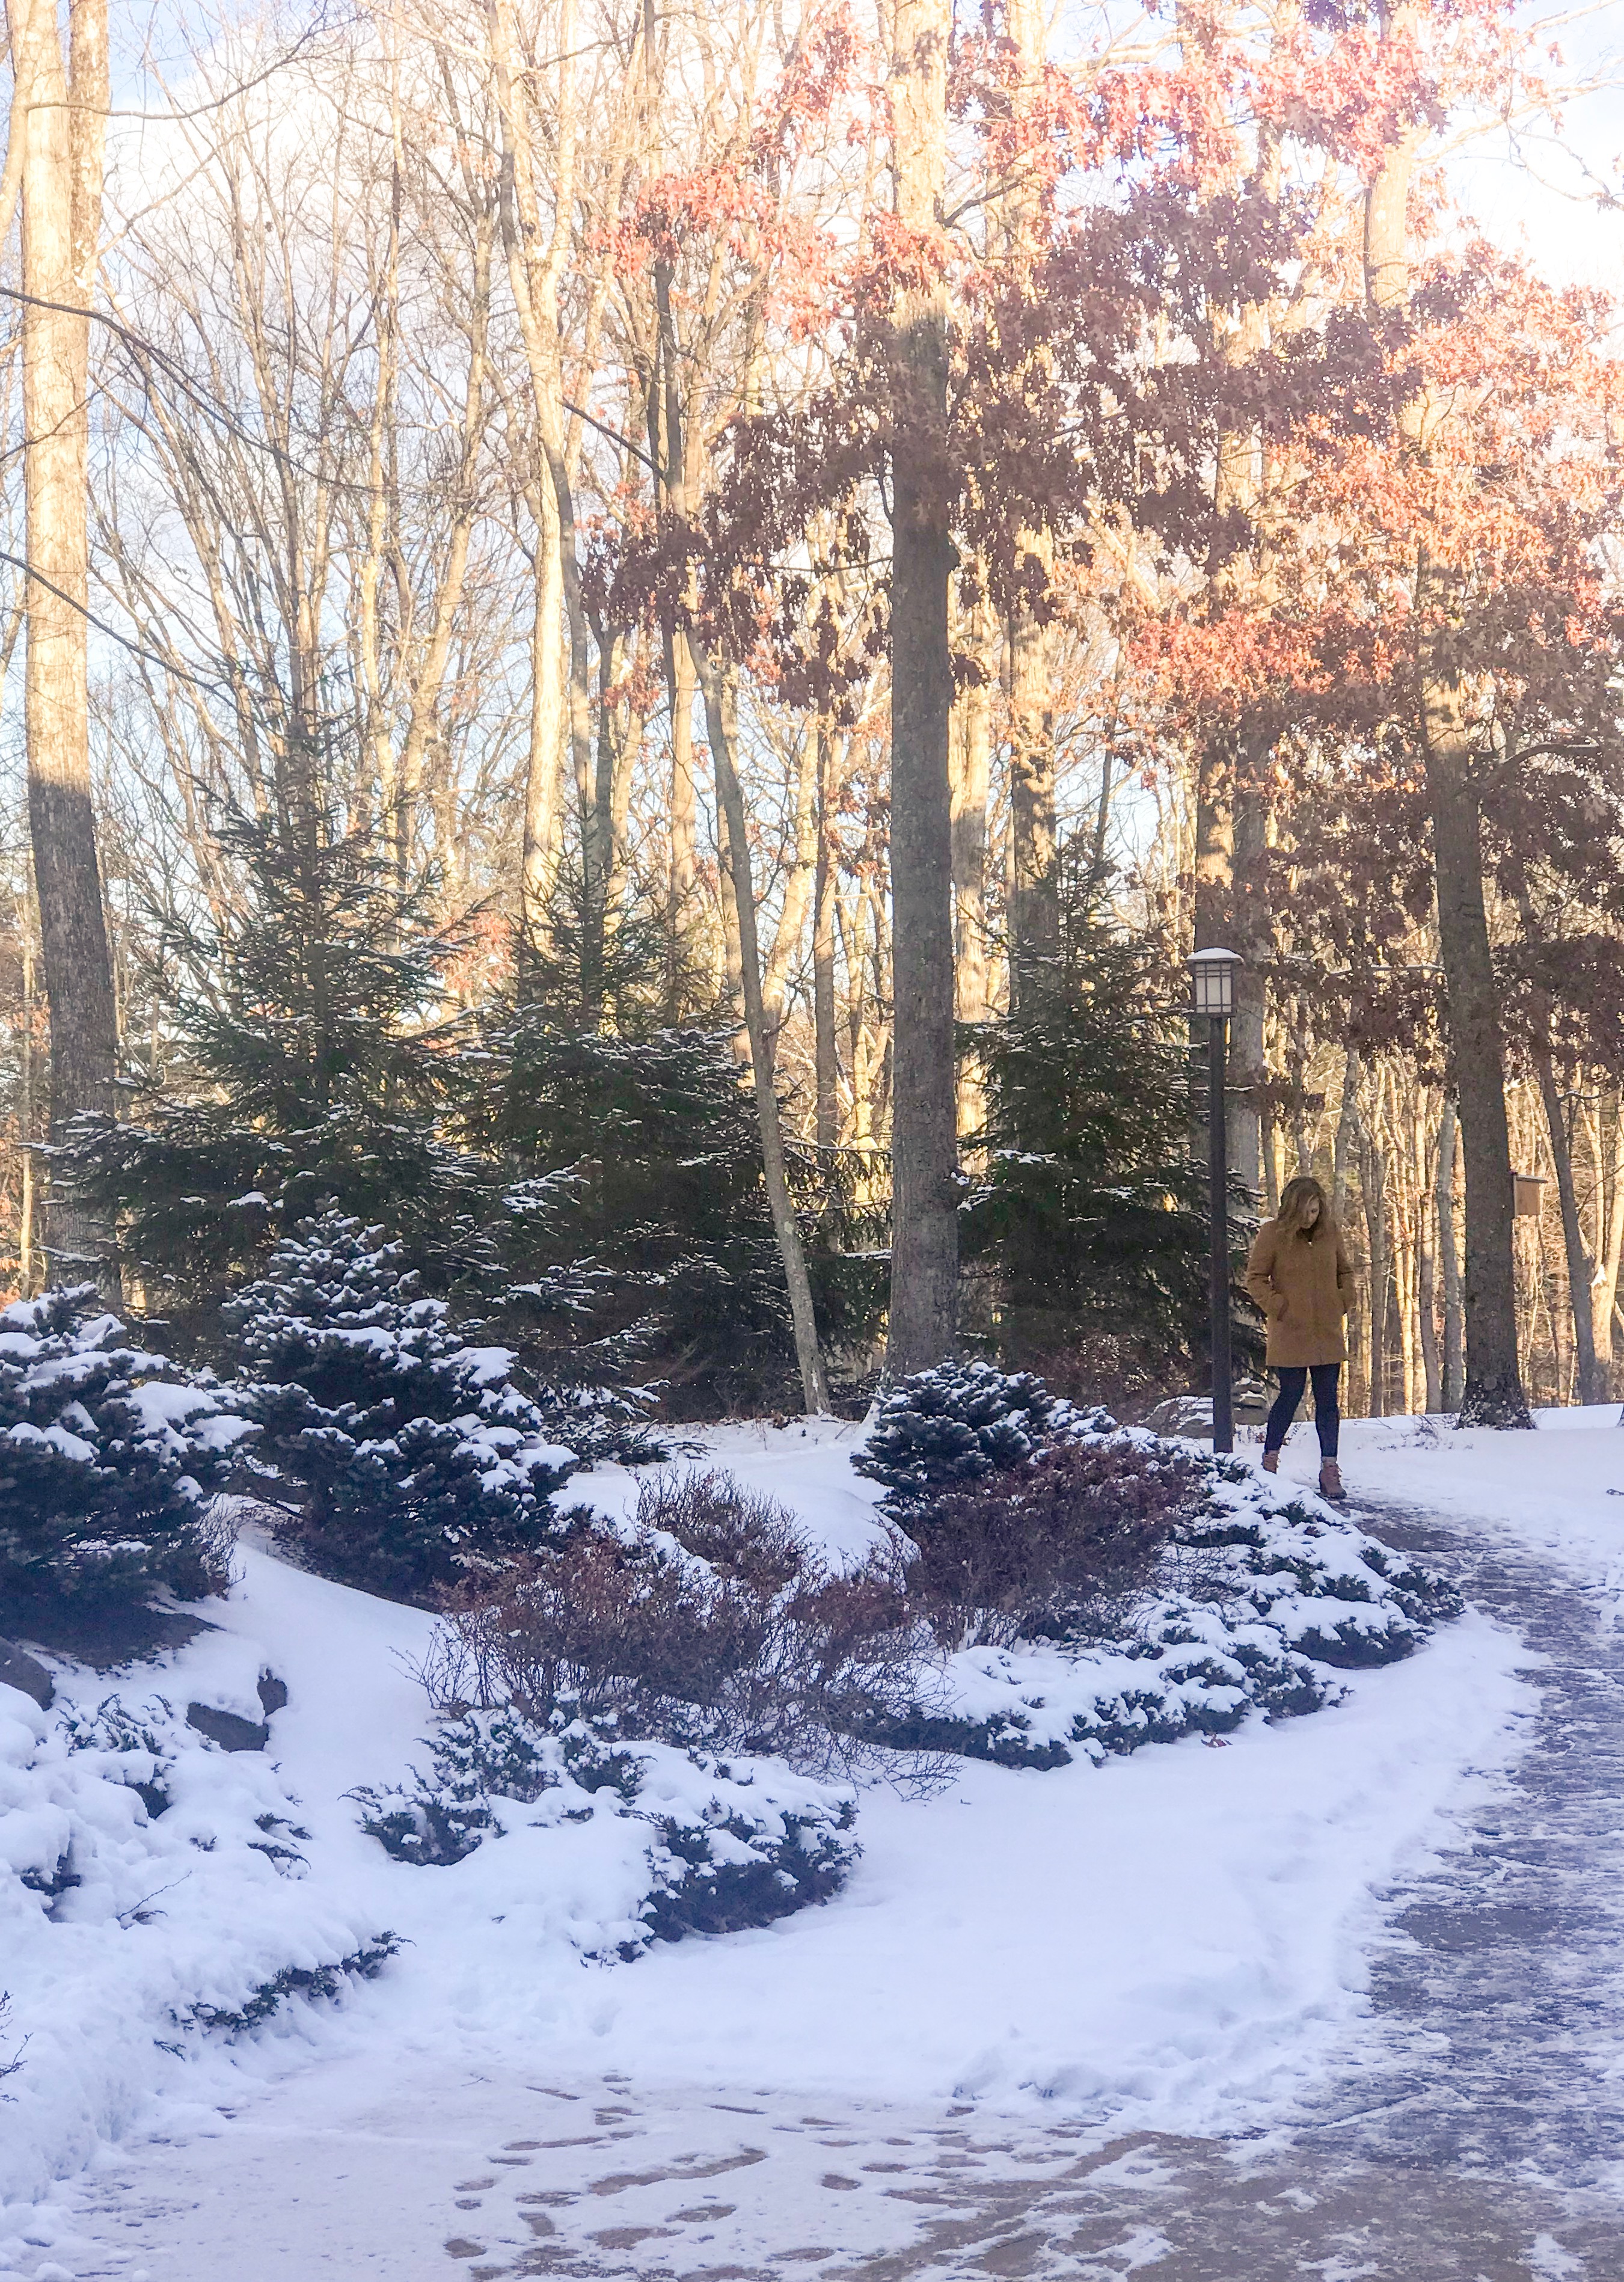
x,y
1212,988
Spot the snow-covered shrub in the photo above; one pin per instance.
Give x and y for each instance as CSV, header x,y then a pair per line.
x,y
1060,1546
711,1621
409,1456
1180,1590
1259,1597
725,1843
945,1428
151,1884
107,1452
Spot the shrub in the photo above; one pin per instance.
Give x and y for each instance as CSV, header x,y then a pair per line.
x,y
108,1452
725,1846
324,1981
735,1636
945,1428
412,1456
1055,1547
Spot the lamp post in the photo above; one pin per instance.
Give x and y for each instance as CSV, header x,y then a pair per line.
x,y
1212,993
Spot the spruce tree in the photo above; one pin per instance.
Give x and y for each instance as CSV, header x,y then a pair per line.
x,y
313,1063
634,1222
1088,1217
407,1458
107,1454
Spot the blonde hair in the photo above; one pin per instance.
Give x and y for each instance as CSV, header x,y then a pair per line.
x,y
1296,1197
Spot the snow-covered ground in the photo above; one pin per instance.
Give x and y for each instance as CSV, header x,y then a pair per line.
x,y
1176,1941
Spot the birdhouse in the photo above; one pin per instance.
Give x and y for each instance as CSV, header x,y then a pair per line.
x,y
1528,1186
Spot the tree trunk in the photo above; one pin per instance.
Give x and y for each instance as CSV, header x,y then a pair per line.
x,y
1343,1149
1372,1182
1034,884
1034,867
1454,1320
534,273
972,769
1492,1394
730,798
61,171
1426,1250
826,1052
684,814
925,1207
545,758
1613,1253
1580,1267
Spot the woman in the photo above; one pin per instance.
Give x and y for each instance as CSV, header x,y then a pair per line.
x,y
1298,1275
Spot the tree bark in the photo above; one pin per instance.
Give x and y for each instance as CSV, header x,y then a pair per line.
x,y
61,183
1579,1266
826,1049
925,1207
814,1386
1454,1322
1034,896
972,769
1427,1251
1372,1184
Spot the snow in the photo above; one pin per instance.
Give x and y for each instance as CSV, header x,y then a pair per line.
x,y
1173,1940
1564,1498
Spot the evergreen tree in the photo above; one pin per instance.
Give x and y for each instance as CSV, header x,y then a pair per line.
x,y
955,1426
411,1457
635,1222
107,1453
313,1064
1090,1214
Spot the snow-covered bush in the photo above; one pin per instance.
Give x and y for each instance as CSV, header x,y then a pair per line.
x,y
711,1621
1060,1546
1180,1590
107,1452
945,1428
151,1885
725,1843
409,1456
1258,1598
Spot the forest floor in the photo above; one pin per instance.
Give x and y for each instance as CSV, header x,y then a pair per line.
x,y
1343,1999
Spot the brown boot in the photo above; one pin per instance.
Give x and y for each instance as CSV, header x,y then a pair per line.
x,y
1330,1479
1271,1462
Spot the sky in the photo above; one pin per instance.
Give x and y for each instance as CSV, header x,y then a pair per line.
x,y
1545,189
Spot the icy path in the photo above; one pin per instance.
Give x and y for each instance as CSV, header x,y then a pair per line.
x,y
1480,2139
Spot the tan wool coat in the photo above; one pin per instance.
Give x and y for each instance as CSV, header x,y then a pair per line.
x,y
1304,1286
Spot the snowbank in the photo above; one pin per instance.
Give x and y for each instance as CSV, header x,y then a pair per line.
x,y
1172,1937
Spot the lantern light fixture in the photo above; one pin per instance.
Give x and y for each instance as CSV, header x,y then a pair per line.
x,y
1212,981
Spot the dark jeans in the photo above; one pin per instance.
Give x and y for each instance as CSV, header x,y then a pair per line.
x,y
1327,1417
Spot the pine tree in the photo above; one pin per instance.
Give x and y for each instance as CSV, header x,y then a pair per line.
x,y
635,1220
108,1452
313,1064
948,1428
410,1458
1090,1216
